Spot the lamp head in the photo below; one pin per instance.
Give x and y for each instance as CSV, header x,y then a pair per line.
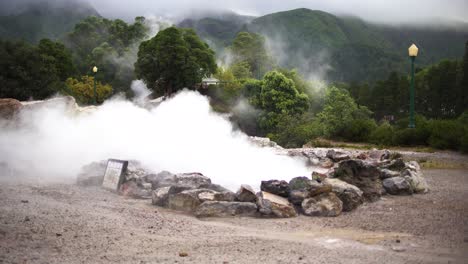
x,y
413,51
95,69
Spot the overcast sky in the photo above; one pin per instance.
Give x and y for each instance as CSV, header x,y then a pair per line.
x,y
393,11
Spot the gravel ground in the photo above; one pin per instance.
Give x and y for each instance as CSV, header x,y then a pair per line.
x,y
64,223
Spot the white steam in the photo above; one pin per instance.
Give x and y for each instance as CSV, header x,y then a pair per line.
x,y
180,135
140,91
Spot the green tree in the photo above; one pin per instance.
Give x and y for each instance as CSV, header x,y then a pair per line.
x,y
28,71
278,97
83,89
342,117
174,59
250,48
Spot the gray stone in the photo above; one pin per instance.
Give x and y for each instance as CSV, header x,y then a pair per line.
x,y
302,188
190,180
350,195
395,165
134,190
325,204
280,188
397,186
416,180
364,175
337,156
184,201
386,173
225,209
226,196
273,205
161,195
246,194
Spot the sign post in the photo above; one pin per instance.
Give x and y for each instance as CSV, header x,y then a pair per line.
x,y
114,174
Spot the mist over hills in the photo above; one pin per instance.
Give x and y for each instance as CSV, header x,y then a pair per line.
x,y
33,21
319,44
349,48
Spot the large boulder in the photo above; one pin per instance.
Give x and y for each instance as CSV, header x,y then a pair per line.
x,y
397,185
350,195
273,205
9,108
246,194
280,188
394,165
337,156
190,180
302,188
187,201
364,175
325,204
225,209
161,195
412,173
386,173
135,190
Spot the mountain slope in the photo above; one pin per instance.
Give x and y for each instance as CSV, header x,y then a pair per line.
x,y
341,48
44,19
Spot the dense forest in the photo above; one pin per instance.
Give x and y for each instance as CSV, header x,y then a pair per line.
x,y
265,75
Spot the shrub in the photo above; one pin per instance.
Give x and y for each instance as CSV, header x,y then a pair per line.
x,y
359,130
382,135
294,132
446,134
412,136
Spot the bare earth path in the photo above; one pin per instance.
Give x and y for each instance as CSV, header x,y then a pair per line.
x,y
62,223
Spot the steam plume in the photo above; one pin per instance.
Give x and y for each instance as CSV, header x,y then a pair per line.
x,y
180,135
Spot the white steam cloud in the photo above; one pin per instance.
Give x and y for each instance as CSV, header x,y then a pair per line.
x,y
182,134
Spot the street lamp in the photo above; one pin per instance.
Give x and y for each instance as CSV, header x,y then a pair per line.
x,y
95,94
412,52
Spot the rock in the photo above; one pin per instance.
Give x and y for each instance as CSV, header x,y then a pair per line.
x,y
226,209
183,254
183,201
165,178
264,142
280,188
395,165
350,195
9,108
386,155
160,196
362,156
227,196
273,205
92,174
337,156
364,175
326,163
319,176
214,187
397,185
246,194
325,204
303,187
193,180
415,178
132,189
386,173
379,154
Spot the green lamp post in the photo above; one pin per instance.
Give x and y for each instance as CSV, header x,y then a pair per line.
x,y
413,52
95,69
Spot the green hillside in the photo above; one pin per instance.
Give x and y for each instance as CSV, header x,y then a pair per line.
x,y
351,49
219,30
44,20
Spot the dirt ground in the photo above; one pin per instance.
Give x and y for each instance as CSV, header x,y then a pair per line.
x,y
64,223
